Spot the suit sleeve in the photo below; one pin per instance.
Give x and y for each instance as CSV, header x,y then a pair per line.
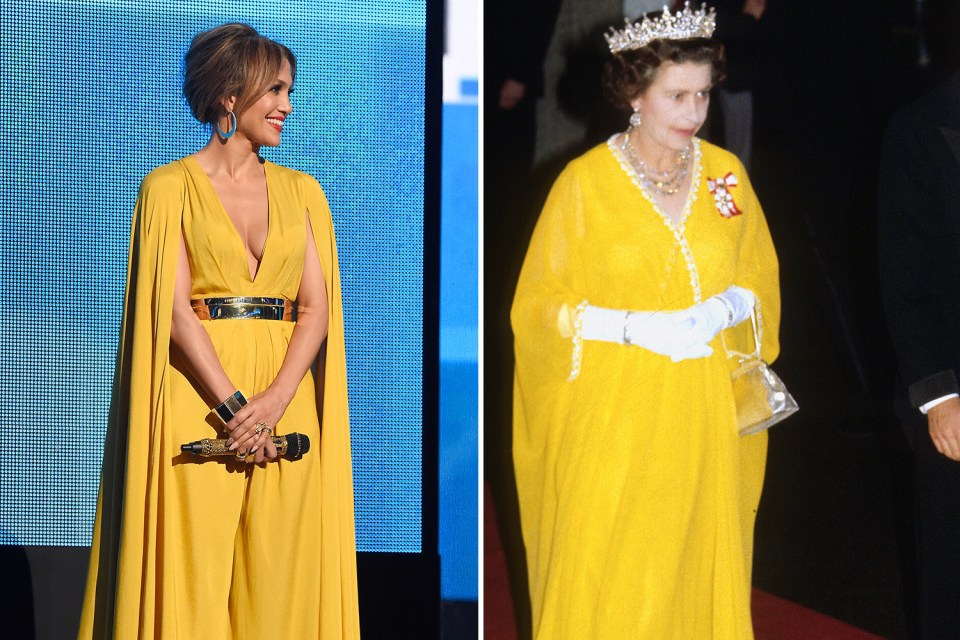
x,y
911,261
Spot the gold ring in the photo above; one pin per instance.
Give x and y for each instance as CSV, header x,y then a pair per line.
x,y
240,455
263,426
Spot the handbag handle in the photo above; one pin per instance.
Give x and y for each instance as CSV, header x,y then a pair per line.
x,y
756,319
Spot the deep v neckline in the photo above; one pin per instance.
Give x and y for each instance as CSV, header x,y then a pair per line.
x,y
677,228
252,277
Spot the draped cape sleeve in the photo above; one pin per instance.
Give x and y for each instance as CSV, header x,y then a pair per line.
x,y
127,529
338,541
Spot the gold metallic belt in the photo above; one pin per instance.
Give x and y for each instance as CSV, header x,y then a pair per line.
x,y
241,307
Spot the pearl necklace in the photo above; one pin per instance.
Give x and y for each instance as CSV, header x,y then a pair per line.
x,y
665,183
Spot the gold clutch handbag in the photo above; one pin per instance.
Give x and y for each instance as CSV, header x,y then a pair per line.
x,y
761,397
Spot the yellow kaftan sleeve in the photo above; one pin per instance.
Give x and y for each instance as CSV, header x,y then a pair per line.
x,y
757,270
547,308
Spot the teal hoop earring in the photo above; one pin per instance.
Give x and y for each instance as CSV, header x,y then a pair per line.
x,y
233,126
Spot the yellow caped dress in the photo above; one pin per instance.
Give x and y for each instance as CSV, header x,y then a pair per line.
x,y
637,495
186,547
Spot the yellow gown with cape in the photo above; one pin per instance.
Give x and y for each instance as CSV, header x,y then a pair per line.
x,y
186,547
637,495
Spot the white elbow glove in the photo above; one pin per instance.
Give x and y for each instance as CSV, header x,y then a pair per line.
x,y
655,331
740,302
680,335
722,311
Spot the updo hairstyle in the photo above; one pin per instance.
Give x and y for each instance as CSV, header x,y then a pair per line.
x,y
231,60
630,73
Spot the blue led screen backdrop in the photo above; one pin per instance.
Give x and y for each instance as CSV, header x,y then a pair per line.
x,y
92,93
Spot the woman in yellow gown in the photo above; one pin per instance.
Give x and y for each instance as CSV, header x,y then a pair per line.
x,y
253,546
637,495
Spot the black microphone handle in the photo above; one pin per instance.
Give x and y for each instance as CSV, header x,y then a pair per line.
x,y
291,445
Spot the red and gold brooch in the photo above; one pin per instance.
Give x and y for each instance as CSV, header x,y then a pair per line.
x,y
720,188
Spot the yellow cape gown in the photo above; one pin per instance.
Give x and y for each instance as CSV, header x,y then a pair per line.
x,y
637,495
186,548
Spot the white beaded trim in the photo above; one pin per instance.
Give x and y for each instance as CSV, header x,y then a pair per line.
x,y
676,230
577,356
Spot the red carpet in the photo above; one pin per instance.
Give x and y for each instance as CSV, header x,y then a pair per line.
x,y
497,607
773,618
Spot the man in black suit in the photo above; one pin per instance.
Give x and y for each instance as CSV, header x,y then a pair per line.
x,y
919,249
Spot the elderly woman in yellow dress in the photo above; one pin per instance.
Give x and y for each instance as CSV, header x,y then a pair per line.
x,y
232,329
637,495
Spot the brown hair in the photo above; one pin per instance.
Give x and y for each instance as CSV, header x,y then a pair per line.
x,y
231,60
630,73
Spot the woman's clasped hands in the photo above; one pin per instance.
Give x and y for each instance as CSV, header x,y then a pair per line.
x,y
250,428
686,334
680,335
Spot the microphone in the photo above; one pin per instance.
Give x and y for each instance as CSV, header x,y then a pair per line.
x,y
291,446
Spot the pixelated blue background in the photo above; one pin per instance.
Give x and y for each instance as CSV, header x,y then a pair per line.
x,y
458,353
91,93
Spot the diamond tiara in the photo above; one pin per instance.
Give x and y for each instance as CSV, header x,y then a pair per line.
x,y
678,26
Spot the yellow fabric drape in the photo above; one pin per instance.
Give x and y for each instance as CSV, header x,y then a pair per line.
x,y
136,578
637,495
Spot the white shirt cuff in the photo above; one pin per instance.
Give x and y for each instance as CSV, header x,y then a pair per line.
x,y
930,405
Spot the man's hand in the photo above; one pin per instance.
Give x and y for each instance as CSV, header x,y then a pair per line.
x,y
943,421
